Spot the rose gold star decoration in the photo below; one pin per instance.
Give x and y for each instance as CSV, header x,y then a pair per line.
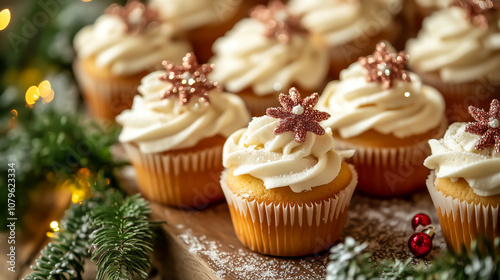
x,y
188,80
385,67
279,22
136,15
297,115
478,11
487,125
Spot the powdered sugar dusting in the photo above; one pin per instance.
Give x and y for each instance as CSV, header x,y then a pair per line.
x,y
244,264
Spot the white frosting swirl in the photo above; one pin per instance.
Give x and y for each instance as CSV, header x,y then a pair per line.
x,y
356,106
455,157
108,42
157,125
340,21
245,58
278,160
189,14
458,50
435,4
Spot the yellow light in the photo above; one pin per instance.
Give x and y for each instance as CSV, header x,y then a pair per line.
x,y
14,113
78,196
86,0
44,88
407,94
30,76
4,18
54,225
49,97
32,95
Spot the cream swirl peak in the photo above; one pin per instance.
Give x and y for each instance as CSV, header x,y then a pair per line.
x,y
455,156
247,58
339,21
159,124
456,49
110,44
356,105
279,160
190,14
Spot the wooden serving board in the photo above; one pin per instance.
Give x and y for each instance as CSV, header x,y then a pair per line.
x,y
203,245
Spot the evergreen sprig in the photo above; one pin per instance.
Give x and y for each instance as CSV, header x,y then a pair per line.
x,y
122,238
348,262
65,256
107,227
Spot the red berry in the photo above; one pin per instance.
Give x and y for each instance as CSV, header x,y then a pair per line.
x,y
420,219
420,244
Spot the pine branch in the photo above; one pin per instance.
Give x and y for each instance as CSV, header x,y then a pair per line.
x,y
349,263
122,238
65,256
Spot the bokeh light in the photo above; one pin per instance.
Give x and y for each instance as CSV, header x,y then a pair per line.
x,y
54,225
43,91
4,18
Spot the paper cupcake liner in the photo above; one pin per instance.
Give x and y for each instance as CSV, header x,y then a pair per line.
x,y
389,172
462,221
284,229
188,179
458,96
105,99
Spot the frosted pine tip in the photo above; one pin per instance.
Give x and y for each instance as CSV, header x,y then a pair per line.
x,y
487,125
297,115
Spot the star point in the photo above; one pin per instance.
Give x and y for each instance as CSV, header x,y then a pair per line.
x,y
188,80
385,67
478,11
279,22
487,125
136,16
297,115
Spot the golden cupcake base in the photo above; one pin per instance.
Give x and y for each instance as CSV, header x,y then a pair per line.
x,y
279,222
463,215
187,178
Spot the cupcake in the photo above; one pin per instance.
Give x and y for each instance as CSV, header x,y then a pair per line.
x,y
201,21
287,188
349,29
267,53
114,53
175,131
457,51
387,115
416,10
465,181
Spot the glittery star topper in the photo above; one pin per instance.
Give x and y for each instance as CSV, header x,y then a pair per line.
x,y
188,80
136,15
279,22
385,67
298,115
487,125
478,11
